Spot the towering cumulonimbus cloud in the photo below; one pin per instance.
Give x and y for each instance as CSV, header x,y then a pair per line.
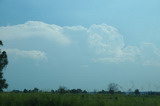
x,y
105,42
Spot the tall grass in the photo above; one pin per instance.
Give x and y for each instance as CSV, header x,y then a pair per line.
x,y
55,99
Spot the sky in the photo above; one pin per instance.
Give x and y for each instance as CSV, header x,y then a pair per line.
x,y
83,44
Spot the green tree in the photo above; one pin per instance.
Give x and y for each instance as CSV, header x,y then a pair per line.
x,y
35,90
62,90
112,87
137,92
3,64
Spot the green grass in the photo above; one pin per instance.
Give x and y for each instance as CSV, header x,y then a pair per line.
x,y
53,99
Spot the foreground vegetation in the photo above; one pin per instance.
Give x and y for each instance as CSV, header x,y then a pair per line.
x,y
68,99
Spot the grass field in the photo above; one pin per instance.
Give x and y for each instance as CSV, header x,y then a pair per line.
x,y
54,99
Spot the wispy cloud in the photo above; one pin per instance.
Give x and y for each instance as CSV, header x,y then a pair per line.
x,y
150,54
33,54
85,66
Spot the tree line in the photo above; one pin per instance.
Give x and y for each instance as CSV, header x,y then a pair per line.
x,y
63,90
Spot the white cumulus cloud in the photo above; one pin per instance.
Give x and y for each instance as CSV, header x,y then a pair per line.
x,y
105,42
109,45
32,29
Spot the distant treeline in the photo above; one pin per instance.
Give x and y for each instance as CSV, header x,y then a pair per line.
x,y
64,90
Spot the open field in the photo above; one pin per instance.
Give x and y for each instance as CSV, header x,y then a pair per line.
x,y
55,99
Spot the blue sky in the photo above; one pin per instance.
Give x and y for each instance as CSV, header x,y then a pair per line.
x,y
83,44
